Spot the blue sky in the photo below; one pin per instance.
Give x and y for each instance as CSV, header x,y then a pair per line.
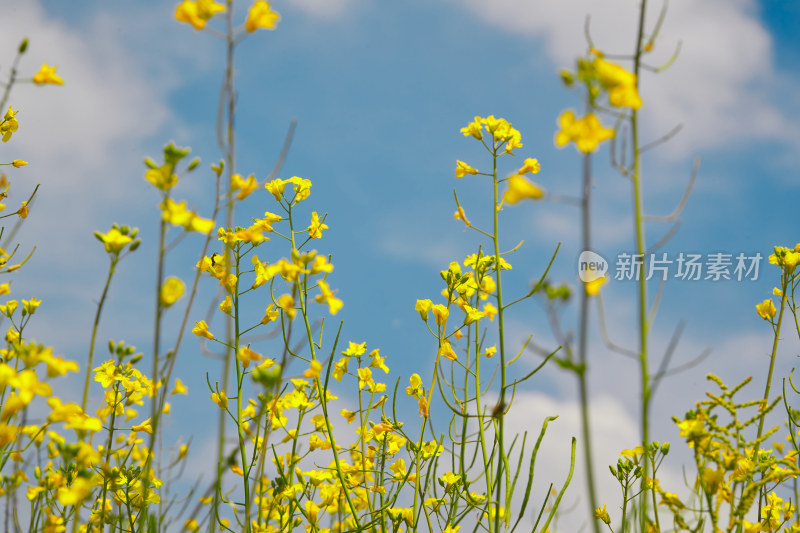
x,y
380,91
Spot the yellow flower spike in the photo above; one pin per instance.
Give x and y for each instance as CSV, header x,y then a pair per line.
x,y
592,288
316,227
766,309
198,12
19,163
520,189
246,355
171,291
201,330
462,169
261,15
47,74
180,388
143,427
531,166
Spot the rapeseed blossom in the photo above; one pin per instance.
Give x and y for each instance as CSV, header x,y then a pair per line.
x,y
47,74
586,132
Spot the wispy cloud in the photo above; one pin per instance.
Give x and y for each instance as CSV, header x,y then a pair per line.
x,y
720,88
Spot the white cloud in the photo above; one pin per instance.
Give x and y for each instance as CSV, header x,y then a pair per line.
x,y
720,88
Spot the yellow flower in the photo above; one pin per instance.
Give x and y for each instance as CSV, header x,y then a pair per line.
x,y
201,330
162,177
519,189
530,165
29,306
446,350
474,129
171,291
415,388
19,163
378,361
462,216
593,287
766,309
620,84
47,74
114,240
144,426
316,227
221,399
23,211
462,169
313,370
327,296
246,355
286,302
180,388
602,514
271,314
245,187
9,124
197,13
348,415
422,307
177,215
440,314
261,15
587,132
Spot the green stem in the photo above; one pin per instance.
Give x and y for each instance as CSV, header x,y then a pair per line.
x,y
641,250
499,412
583,326
89,365
775,341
